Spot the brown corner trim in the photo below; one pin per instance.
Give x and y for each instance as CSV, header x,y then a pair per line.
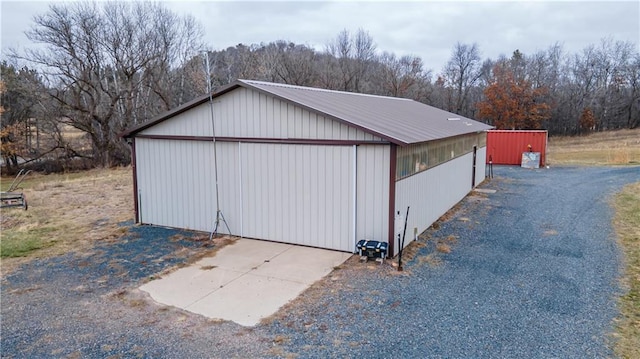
x,y
135,181
296,141
392,197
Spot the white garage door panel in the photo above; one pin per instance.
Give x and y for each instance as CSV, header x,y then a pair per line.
x,y
301,194
175,183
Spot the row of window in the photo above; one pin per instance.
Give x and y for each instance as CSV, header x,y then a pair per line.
x,y
417,158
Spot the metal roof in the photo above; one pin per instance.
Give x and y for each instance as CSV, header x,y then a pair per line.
x,y
398,120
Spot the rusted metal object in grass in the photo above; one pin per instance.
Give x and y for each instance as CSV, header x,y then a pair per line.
x,y
13,198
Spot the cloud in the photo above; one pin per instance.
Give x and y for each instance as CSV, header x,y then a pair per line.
x,y
428,29
17,17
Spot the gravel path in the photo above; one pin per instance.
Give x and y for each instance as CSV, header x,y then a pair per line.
x,y
530,273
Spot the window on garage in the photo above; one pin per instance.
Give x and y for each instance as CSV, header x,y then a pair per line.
x,y
417,158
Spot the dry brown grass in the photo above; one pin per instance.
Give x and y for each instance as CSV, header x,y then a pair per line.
x,y
411,250
443,247
432,259
621,147
66,212
627,225
281,339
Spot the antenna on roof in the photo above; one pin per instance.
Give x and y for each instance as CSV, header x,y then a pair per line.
x,y
219,214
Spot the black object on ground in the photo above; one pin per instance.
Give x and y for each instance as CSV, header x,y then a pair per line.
x,y
369,249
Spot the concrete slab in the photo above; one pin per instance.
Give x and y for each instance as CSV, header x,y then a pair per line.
x,y
245,254
245,281
188,285
248,299
302,264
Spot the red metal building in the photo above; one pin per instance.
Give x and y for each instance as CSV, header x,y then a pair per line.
x,y
505,147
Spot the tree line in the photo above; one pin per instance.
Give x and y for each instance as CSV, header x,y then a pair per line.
x,y
107,66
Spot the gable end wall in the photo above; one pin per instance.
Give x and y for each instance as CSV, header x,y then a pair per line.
x,y
246,113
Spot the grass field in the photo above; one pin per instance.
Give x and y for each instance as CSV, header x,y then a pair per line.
x,y
621,147
66,212
627,224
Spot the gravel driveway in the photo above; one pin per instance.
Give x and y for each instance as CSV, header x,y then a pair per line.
x,y
527,272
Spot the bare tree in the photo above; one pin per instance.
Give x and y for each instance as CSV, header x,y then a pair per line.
x,y
111,65
296,65
402,77
354,54
268,57
461,73
632,103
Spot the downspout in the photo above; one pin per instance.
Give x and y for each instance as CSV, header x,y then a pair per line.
x,y
393,150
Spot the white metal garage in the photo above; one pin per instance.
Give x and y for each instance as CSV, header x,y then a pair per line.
x,y
313,206
302,165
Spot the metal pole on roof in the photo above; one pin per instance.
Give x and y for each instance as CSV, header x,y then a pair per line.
x,y
219,215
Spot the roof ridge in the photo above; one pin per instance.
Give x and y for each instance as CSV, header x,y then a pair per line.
x,y
305,88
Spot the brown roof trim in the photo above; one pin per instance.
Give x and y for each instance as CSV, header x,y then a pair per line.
x,y
296,141
177,138
526,131
178,110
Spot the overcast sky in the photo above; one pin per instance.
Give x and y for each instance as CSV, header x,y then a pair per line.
x,y
428,29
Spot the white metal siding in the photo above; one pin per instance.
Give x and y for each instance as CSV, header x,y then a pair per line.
x,y
229,186
301,194
172,190
431,193
481,159
194,122
373,192
250,114
176,183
